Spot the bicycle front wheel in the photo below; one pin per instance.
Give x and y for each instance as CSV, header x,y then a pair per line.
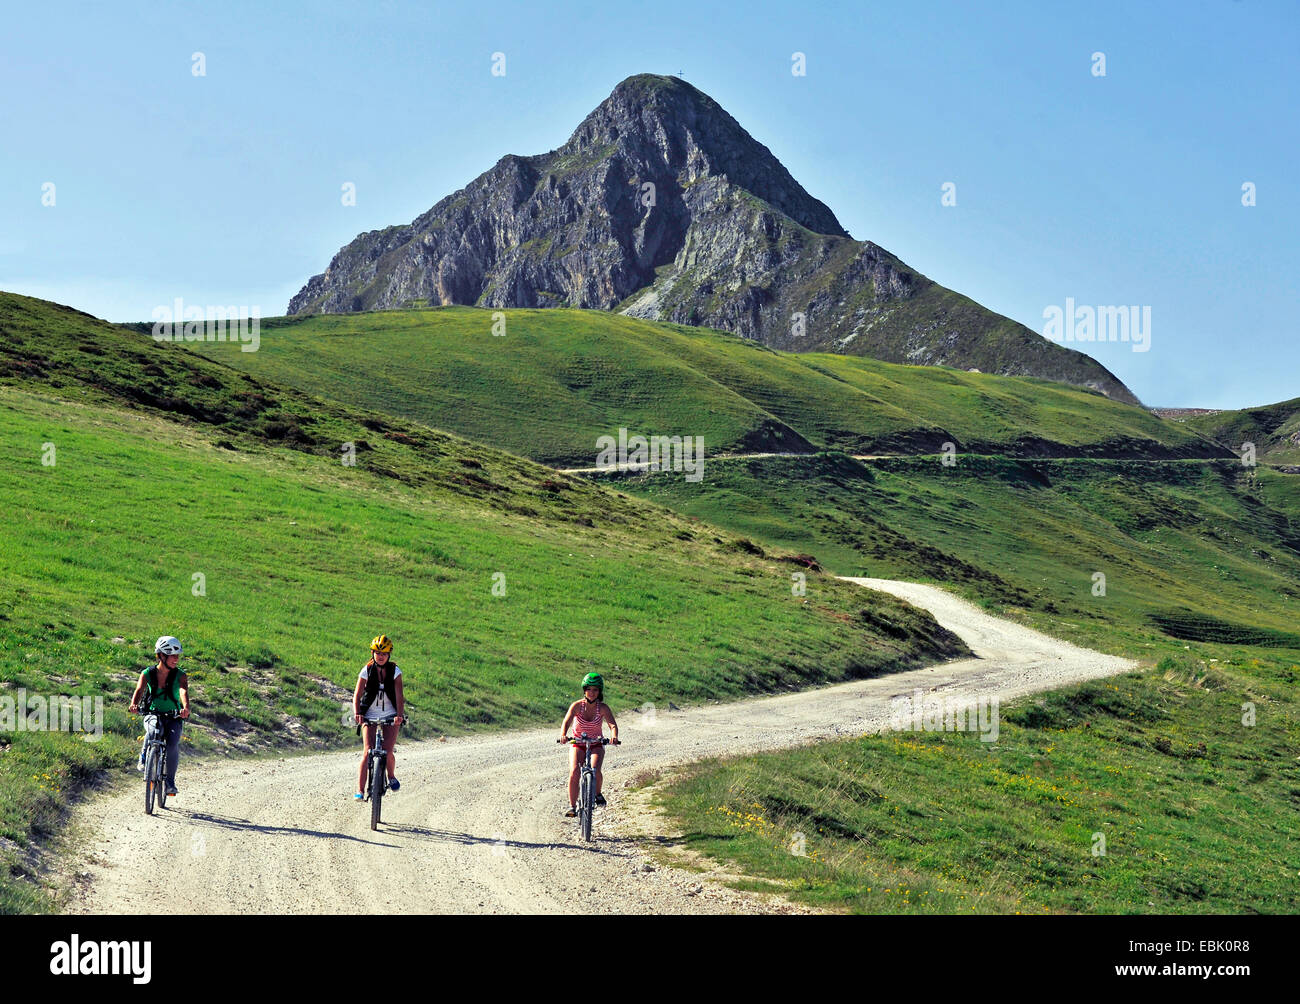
x,y
585,806
150,778
376,792
160,784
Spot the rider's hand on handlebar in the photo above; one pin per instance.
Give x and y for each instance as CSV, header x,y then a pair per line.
x,y
562,739
133,708
183,713
358,718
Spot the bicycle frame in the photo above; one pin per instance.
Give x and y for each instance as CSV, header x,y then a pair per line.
x,y
378,754
377,760
590,745
587,782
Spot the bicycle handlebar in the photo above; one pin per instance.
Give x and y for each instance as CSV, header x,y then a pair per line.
x,y
585,741
406,719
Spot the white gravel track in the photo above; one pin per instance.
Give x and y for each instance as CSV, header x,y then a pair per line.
x,y
477,826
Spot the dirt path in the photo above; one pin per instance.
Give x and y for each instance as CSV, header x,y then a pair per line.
x,y
645,467
476,827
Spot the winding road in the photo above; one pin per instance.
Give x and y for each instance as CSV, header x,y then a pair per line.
x,y
477,826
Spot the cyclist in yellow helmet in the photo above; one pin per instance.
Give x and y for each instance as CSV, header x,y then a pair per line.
x,y
379,695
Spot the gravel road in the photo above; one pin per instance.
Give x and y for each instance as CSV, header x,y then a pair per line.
x,y
477,826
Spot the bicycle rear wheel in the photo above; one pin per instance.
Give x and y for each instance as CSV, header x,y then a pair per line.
x,y
376,791
585,805
150,778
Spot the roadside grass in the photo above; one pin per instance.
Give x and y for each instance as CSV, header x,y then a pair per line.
x,y
1144,793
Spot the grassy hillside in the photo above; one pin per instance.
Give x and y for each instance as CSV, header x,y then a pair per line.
x,y
558,379
1201,563
1202,578
167,466
1176,540
1274,429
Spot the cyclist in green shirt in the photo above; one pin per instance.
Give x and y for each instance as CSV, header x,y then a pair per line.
x,y
165,688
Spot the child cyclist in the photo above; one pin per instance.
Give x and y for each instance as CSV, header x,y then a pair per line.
x,y
588,715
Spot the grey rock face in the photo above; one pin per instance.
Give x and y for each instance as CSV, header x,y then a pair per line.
x,y
661,206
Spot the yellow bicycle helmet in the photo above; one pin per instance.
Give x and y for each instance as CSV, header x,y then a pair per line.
x,y
382,644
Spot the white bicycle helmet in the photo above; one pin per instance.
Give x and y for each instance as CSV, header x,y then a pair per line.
x,y
167,645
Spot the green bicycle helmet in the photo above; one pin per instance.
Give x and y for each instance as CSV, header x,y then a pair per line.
x,y
593,680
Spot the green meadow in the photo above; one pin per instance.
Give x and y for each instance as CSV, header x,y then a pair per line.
x,y
557,379
1145,793
1273,430
366,473
1201,566
1177,540
235,524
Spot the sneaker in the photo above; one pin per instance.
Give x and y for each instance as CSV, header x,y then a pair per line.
x,y
600,799
571,812
394,784
359,796
171,790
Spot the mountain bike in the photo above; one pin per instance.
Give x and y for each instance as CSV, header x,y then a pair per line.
x,y
587,782
377,769
155,759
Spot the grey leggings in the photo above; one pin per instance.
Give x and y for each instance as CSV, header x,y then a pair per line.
x,y
171,729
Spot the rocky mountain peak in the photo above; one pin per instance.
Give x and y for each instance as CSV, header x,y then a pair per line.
x,y
664,125
661,205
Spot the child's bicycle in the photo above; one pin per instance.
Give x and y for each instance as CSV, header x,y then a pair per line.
x,y
587,783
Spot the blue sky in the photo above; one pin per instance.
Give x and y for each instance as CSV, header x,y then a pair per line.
x,y
1117,190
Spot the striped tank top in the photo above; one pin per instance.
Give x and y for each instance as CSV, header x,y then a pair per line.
x,y
587,720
